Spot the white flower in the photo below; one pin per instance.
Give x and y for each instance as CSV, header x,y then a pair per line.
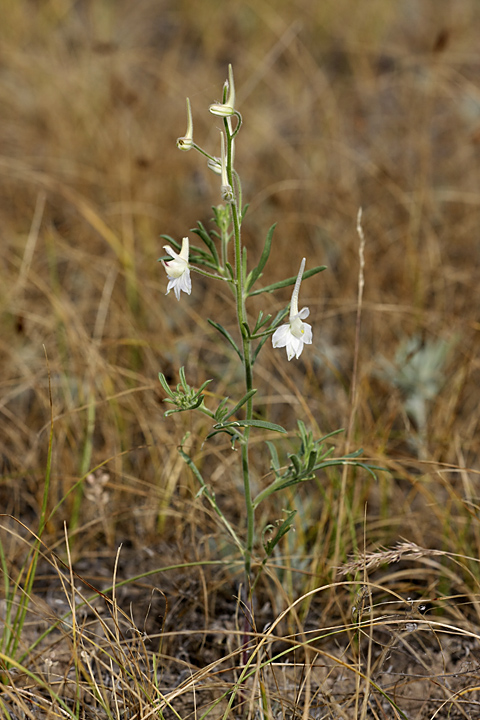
x,y
296,333
228,107
177,270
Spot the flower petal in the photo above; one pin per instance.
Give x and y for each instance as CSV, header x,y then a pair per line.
x,y
170,251
307,334
178,272
281,336
184,252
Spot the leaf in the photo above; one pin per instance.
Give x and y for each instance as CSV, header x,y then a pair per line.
x,y
244,261
261,321
259,347
231,272
296,464
262,424
241,402
329,463
183,379
270,545
246,330
202,232
275,464
256,272
235,434
222,411
227,336
312,459
288,281
172,241
203,386
165,385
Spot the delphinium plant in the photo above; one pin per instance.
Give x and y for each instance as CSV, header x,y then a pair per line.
x,y
224,259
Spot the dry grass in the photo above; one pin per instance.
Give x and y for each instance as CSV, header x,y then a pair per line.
x,y
345,105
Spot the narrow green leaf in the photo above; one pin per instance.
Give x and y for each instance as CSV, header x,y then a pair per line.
x,y
288,281
355,453
203,386
263,424
259,347
273,455
241,402
261,321
202,232
173,411
326,454
296,463
312,459
281,531
172,241
244,261
336,462
221,412
256,272
165,385
235,434
227,336
329,435
183,379
230,270
246,329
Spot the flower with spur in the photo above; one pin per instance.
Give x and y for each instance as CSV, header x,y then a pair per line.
x,y
227,108
186,143
296,333
177,270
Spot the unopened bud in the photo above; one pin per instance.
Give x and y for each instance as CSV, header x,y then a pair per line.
x,y
226,108
185,143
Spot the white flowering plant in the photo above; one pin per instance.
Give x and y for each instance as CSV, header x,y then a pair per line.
x,y
219,261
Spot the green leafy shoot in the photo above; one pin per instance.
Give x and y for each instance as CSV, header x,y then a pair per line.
x,y
184,397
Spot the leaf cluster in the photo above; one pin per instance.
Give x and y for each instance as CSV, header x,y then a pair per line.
x,y
312,456
184,397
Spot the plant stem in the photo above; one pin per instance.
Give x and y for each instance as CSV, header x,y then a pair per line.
x,y
247,355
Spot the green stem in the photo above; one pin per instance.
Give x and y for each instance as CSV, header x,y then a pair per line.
x,y
215,276
247,354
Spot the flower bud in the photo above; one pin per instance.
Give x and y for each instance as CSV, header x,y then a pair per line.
x,y
226,189
215,165
226,108
185,143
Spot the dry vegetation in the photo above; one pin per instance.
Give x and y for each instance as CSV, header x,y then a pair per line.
x,y
345,104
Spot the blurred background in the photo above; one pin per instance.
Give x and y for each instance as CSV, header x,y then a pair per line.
x,y
345,105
